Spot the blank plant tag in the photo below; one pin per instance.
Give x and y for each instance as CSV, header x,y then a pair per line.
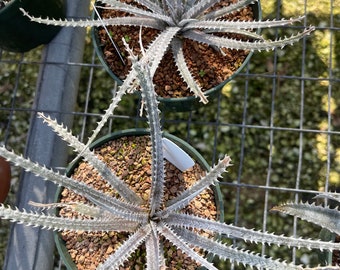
x,y
176,155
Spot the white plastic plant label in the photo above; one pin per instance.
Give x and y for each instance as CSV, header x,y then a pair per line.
x,y
176,155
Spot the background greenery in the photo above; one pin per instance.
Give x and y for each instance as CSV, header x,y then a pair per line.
x,y
272,120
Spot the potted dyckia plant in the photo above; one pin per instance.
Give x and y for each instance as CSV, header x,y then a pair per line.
x,y
18,33
209,67
127,154
183,33
160,221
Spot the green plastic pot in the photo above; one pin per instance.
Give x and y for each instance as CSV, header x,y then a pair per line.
x,y
64,254
185,103
18,33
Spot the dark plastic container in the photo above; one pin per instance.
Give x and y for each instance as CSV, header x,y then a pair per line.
x,y
18,33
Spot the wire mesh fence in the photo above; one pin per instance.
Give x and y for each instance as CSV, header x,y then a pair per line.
x,y
279,120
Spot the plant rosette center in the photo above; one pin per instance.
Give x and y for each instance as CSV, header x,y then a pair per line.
x,y
130,159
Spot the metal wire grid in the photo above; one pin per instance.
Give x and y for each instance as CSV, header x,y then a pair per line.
x,y
246,121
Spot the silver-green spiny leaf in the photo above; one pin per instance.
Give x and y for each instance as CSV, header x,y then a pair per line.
x,y
192,20
67,224
183,199
248,235
321,215
233,254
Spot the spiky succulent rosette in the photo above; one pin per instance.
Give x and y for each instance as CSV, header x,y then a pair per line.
x,y
198,21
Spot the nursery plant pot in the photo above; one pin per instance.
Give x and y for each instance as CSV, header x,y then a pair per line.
x,y
18,33
131,138
5,179
212,77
